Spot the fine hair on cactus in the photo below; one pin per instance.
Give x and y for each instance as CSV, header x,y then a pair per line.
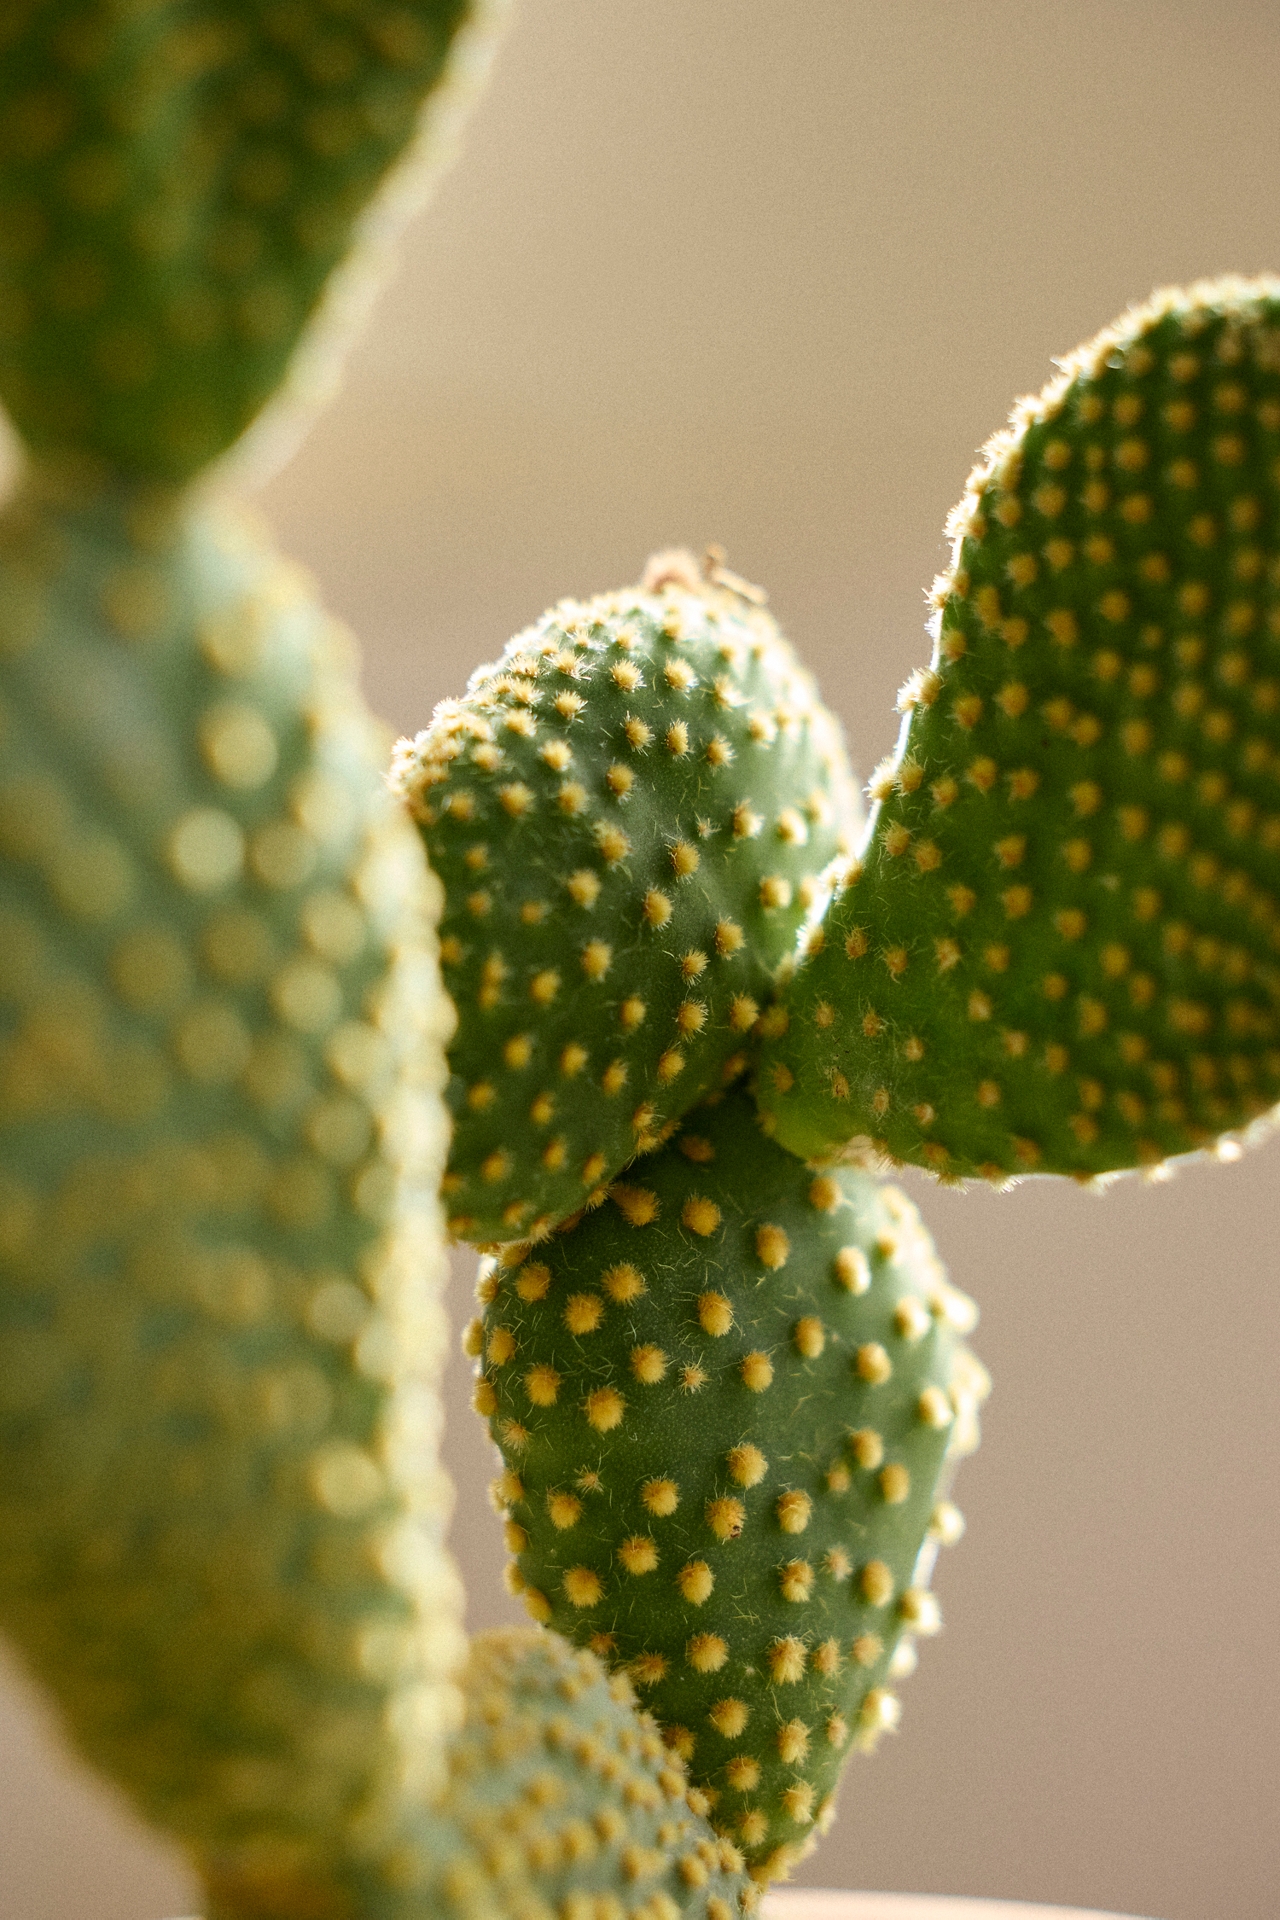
x,y
605,972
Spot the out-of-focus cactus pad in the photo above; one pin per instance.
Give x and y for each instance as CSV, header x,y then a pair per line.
x,y
177,182
605,1810
219,1138
559,1801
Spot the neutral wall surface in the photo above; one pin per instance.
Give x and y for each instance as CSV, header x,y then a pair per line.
x,y
767,272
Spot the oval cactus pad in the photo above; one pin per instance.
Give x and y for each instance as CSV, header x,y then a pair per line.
x,y
630,814
727,1402
1059,951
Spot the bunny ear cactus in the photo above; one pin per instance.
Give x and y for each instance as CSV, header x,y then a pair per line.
x,y
558,1800
178,184
220,1519
631,813
221,1512
221,1061
571,1802
221,1256
1060,949
728,1403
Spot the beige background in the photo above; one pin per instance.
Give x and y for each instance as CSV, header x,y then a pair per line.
x,y
767,271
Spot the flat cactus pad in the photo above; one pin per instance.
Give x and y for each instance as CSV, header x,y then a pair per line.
x,y
630,814
177,183
606,1810
559,1800
1059,951
219,1141
726,1403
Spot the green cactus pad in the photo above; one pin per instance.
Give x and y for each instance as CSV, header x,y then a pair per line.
x,y
1061,949
220,1254
726,1403
560,1800
629,813
177,183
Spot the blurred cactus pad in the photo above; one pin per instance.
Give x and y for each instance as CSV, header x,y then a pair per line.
x,y
221,1516
631,814
1060,948
562,1799
177,184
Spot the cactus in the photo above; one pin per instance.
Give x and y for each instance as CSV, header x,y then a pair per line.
x,y
1059,948
179,185
558,1799
631,814
726,1402
221,1517
222,1036
588,1803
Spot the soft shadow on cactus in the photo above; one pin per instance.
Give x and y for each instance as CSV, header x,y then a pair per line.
x,y
730,1384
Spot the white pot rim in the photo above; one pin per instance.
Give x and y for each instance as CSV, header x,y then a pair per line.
x,y
829,1903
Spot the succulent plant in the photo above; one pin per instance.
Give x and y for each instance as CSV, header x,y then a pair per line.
x,y
220,1328
180,184
727,1403
631,814
1060,948
558,1798
568,1801
691,1014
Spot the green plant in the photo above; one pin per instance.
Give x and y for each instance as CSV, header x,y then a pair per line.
x,y
222,1038
630,815
220,1027
1064,927
1054,952
727,1402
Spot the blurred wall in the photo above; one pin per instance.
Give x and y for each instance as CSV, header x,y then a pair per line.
x,y
767,272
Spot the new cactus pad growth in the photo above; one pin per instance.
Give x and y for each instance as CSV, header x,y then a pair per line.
x,y
727,1402
630,813
1060,950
